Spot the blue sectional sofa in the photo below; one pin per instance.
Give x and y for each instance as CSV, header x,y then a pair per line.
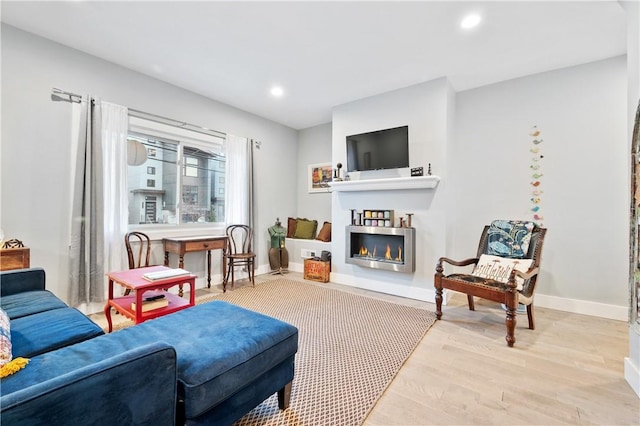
x,y
209,364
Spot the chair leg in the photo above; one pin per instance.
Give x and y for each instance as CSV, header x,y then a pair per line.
x,y
233,275
472,305
438,302
226,277
252,271
512,305
530,316
437,283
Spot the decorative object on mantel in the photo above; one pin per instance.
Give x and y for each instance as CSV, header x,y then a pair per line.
x,y
319,177
336,176
429,170
13,243
383,218
409,219
417,171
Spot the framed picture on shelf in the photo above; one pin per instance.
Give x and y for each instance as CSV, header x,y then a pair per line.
x,y
319,176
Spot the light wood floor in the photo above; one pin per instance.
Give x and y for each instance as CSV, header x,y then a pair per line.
x,y
567,371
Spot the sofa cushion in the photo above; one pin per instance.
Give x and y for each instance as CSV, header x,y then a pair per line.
x,y
30,302
291,227
325,232
221,349
46,331
86,384
306,229
222,356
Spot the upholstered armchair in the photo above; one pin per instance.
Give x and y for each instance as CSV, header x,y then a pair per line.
x,y
506,269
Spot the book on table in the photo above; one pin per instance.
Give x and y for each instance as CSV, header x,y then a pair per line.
x,y
163,275
151,302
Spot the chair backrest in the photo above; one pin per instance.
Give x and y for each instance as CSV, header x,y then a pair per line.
x,y
143,249
534,252
240,239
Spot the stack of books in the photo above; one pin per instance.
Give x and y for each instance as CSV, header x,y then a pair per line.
x,y
152,301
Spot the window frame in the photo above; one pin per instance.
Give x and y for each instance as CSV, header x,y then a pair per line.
x,y
183,137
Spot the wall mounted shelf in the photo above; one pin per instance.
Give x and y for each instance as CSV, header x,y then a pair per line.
x,y
416,182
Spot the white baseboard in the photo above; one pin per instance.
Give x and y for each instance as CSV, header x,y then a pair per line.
x,y
417,293
576,306
632,375
585,307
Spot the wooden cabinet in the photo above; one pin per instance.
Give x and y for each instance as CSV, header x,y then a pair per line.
x,y
14,258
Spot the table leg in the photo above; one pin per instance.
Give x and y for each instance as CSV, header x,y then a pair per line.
x,y
224,268
107,307
181,266
107,314
208,268
192,296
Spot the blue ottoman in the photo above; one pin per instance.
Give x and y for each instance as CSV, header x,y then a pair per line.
x,y
230,359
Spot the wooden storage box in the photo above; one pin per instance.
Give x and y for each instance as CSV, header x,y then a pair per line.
x,y
317,270
14,258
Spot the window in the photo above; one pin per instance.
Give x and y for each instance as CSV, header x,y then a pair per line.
x,y
187,182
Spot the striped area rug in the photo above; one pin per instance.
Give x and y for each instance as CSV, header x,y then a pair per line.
x,y
350,348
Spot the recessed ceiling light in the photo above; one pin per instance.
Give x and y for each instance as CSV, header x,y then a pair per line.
x,y
277,91
470,21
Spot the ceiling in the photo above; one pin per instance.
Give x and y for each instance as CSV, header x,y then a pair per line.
x,y
325,54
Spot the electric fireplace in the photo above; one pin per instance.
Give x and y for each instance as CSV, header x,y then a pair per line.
x,y
377,247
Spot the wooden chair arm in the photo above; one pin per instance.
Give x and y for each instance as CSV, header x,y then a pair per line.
x,y
526,275
511,283
471,261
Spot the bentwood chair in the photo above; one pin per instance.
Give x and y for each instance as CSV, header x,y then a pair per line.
x,y
138,258
239,253
495,276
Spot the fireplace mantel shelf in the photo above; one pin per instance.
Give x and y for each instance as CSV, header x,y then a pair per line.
x,y
417,182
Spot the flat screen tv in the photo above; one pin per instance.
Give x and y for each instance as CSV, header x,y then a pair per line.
x,y
381,149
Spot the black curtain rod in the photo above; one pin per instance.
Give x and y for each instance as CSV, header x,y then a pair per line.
x,y
74,97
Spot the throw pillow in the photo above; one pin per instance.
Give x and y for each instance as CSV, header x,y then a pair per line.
x,y
509,238
306,229
291,227
499,268
5,338
8,365
325,232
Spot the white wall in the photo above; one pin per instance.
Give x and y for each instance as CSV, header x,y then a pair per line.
x,y
314,147
36,138
582,114
425,108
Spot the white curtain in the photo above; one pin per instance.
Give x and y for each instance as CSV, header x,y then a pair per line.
x,y
98,200
115,125
238,181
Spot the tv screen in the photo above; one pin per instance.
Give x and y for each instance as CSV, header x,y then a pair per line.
x,y
382,149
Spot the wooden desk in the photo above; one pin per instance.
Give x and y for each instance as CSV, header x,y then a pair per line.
x,y
133,280
14,258
182,245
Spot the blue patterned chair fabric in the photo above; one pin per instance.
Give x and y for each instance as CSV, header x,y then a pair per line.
x,y
509,238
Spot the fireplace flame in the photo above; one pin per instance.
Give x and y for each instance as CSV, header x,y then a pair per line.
x,y
388,255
